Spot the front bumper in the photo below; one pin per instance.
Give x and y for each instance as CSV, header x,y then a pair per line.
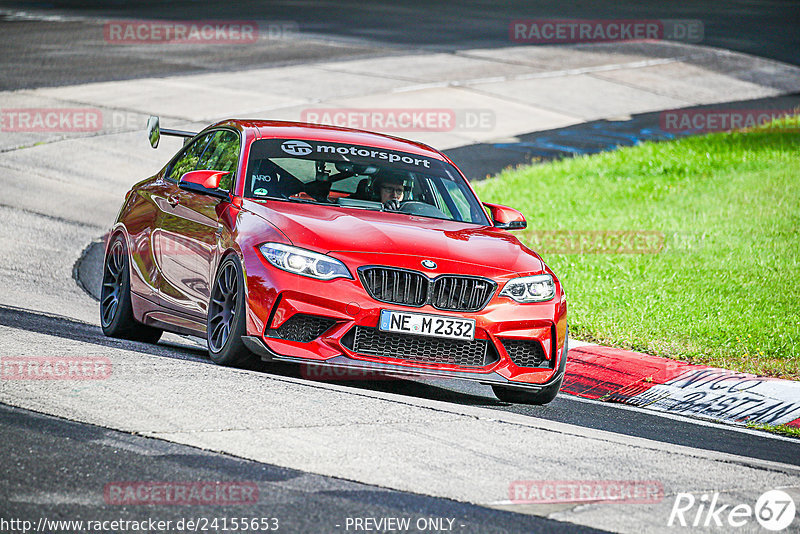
x,y
347,307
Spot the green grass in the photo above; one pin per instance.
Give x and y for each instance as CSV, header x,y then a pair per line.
x,y
725,288
784,430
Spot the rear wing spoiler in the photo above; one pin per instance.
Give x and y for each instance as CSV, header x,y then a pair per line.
x,y
154,132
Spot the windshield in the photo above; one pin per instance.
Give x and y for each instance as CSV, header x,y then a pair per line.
x,y
359,177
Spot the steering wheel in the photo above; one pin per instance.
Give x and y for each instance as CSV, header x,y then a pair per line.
x,y
415,207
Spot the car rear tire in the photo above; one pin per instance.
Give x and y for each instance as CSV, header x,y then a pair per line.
x,y
116,311
540,397
226,323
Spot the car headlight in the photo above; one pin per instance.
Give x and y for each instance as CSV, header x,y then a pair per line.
x,y
530,288
304,262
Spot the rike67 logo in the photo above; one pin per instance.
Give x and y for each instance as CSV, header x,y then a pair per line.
x,y
774,511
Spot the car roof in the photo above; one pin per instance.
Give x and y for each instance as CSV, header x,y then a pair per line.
x,y
270,129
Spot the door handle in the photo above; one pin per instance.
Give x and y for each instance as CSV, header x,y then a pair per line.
x,y
173,200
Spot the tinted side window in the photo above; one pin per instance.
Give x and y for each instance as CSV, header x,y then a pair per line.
x,y
222,154
461,203
190,157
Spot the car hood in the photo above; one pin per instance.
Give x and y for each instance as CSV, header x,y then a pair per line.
x,y
351,232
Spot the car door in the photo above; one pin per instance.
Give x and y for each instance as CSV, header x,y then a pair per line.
x,y
188,230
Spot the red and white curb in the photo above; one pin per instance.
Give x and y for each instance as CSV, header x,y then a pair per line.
x,y
616,375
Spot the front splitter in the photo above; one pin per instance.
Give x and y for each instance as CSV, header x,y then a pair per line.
x,y
257,346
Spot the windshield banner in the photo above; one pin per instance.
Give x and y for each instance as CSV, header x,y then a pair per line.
x,y
323,150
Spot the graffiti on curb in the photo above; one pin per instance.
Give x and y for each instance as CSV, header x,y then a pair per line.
x,y
725,395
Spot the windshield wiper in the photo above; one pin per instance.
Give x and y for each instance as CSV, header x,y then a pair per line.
x,y
290,199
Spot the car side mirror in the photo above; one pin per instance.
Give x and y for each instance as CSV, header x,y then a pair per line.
x,y
204,182
506,218
153,131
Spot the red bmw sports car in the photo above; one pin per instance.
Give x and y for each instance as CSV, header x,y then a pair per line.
x,y
330,246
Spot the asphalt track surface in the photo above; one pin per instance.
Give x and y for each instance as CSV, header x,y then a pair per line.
x,y
75,460
71,49
486,159
565,408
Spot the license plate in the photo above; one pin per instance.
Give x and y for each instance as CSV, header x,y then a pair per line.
x,y
427,325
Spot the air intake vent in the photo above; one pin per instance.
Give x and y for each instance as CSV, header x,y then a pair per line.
x,y
475,353
459,293
302,328
526,353
396,286
412,288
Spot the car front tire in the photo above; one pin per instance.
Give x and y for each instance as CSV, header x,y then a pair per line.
x,y
226,323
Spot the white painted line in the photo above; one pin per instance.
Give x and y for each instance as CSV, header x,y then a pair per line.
x,y
686,419
590,70
421,87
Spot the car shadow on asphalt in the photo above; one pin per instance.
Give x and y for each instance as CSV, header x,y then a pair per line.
x,y
68,328
377,382
387,384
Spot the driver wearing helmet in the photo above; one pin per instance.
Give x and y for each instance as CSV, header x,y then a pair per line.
x,y
389,188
